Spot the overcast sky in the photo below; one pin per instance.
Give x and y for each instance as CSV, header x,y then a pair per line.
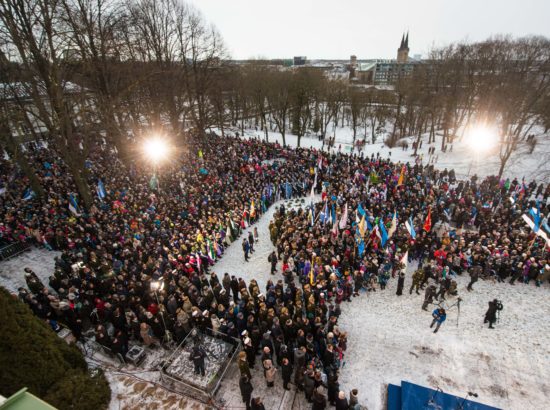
x,y
370,29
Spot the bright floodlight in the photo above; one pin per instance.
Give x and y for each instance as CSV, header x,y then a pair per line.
x,y
482,138
156,149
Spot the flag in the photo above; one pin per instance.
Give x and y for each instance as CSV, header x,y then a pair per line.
x,y
335,228
324,215
404,261
153,182
361,211
73,205
535,213
410,227
100,190
200,153
401,176
362,227
28,194
333,214
539,232
312,194
199,261
311,215
360,242
383,233
393,226
428,223
252,209
369,225
344,219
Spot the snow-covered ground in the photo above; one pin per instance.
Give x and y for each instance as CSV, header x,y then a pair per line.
x,y
389,338
465,160
41,261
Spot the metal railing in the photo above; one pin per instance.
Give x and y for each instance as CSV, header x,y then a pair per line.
x,y
14,249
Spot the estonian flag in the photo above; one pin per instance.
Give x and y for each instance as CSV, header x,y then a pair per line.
x,y
73,205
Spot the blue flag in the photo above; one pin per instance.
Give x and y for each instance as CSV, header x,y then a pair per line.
x,y
535,213
361,210
28,194
100,190
410,227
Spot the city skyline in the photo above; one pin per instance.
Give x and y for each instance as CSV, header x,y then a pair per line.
x,y
323,29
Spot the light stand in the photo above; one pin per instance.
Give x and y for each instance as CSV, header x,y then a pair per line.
x,y
156,286
431,404
460,405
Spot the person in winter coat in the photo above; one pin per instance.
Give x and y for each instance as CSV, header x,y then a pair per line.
x,y
246,390
198,355
272,258
439,316
429,295
146,334
250,352
491,314
251,241
417,278
474,276
353,400
286,372
319,399
246,249
342,402
309,385
333,387
400,283
257,404
243,365
269,372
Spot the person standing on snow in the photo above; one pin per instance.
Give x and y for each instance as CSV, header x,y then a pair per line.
x,y
429,296
246,249
439,316
400,283
251,241
491,314
272,258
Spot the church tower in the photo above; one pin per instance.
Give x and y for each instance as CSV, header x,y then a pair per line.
x,y
403,50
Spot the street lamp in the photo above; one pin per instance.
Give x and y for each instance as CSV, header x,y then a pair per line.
x,y
157,286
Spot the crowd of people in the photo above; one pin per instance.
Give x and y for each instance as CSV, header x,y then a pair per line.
x,y
171,229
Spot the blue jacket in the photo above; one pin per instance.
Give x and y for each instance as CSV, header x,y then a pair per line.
x,y
440,318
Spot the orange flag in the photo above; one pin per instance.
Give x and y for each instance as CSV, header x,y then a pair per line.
x,y
428,223
401,176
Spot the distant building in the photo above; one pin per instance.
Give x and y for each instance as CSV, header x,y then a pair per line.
x,y
403,50
300,60
384,72
353,62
